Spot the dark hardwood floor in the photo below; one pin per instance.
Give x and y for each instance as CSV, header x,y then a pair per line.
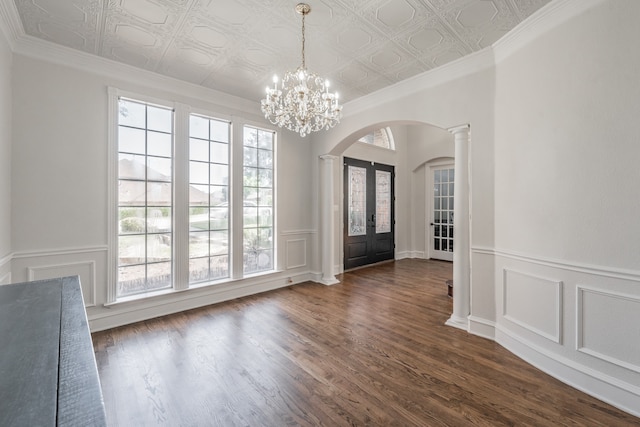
x,y
372,350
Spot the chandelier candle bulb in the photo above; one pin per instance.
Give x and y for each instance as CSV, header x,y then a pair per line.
x,y
303,104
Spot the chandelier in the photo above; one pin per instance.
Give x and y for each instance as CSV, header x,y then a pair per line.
x,y
302,103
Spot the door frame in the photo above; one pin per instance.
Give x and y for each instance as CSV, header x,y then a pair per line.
x,y
443,162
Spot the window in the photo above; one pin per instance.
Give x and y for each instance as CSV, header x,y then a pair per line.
x,y
145,179
177,211
380,138
208,199
258,200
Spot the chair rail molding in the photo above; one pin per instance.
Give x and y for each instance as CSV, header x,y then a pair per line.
x,y
594,269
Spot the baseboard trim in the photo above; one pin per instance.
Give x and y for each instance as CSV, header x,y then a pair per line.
x,y
112,316
410,254
611,390
482,327
458,323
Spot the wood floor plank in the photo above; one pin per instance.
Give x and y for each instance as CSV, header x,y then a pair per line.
x,y
370,351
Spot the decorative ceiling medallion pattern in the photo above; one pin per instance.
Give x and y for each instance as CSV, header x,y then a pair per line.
x,y
235,45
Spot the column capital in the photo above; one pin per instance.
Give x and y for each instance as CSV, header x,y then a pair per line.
x,y
328,157
459,129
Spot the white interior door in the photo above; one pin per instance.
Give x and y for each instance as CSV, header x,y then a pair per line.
x,y
441,221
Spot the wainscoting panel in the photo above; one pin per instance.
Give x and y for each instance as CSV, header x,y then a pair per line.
x,y
5,269
296,253
296,250
86,270
87,262
533,302
5,279
578,322
604,320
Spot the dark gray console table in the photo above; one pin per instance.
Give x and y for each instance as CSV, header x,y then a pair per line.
x,y
48,374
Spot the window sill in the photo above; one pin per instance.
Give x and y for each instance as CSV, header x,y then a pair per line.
x,y
142,297
198,286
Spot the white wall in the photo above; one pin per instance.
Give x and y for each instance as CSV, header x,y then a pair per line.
x,y
60,184
567,200
426,145
5,158
59,157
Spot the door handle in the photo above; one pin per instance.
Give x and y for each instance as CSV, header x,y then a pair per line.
x,y
373,220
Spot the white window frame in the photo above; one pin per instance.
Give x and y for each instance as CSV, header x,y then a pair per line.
x,y
229,196
274,253
388,136
180,214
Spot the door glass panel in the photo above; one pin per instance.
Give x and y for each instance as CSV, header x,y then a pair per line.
x,y
443,186
383,202
357,200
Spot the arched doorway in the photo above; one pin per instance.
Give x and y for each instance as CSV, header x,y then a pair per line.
x,y
332,210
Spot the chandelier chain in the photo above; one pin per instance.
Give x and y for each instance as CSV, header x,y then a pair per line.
x,y
304,65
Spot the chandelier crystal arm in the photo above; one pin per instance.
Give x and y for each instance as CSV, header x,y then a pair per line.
x,y
304,103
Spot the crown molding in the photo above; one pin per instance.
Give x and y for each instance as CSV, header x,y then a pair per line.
x,y
10,23
22,44
462,67
545,19
39,49
548,17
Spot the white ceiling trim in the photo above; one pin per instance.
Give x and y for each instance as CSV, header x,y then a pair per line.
x,y
549,16
54,53
234,46
543,20
462,67
10,23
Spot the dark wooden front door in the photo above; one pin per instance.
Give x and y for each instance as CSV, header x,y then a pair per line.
x,y
368,213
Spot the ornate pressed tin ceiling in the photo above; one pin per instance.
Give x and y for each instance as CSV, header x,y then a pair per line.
x,y
235,46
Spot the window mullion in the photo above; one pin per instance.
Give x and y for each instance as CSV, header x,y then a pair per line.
x,y
181,197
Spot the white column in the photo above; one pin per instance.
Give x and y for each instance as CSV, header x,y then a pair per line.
x,y
326,208
461,238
